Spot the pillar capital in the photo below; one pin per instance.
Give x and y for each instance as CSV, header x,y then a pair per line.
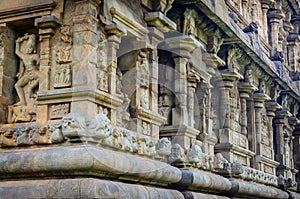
x,y
181,46
266,2
271,107
115,29
47,24
246,88
275,15
259,99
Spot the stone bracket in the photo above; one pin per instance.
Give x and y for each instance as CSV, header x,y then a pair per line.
x,y
160,21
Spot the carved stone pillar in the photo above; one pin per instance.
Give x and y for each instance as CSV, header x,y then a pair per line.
x,y
85,56
259,100
208,128
245,89
180,115
292,48
155,36
115,33
232,144
279,122
245,8
8,69
293,44
158,23
283,128
265,5
271,107
47,26
296,146
263,141
190,96
180,130
274,17
229,78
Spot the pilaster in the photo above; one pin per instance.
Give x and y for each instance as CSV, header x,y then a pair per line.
x,y
284,124
47,26
265,5
8,69
182,129
233,143
274,17
85,54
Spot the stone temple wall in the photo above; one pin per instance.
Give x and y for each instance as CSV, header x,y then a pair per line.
x,y
149,99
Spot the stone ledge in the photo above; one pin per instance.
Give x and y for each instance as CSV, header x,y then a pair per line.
x,y
194,195
87,160
245,188
81,188
78,94
198,180
15,10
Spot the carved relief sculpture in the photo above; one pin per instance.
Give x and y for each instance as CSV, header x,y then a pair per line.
x,y
28,72
28,80
62,76
59,110
63,69
66,34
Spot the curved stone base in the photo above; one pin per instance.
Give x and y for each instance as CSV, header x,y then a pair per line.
x,y
81,188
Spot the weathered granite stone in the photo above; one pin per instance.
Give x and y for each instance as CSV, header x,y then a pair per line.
x,y
81,188
131,91
64,161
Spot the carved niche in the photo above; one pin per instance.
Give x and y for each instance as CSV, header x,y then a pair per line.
x,y
28,80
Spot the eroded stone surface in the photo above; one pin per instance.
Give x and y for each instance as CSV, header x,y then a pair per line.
x,y
124,89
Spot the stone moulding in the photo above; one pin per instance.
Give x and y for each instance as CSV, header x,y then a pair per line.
x,y
194,195
82,188
198,180
149,116
69,94
257,190
64,161
132,26
93,161
15,10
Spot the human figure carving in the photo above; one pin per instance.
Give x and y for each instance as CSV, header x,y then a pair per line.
x,y
28,71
